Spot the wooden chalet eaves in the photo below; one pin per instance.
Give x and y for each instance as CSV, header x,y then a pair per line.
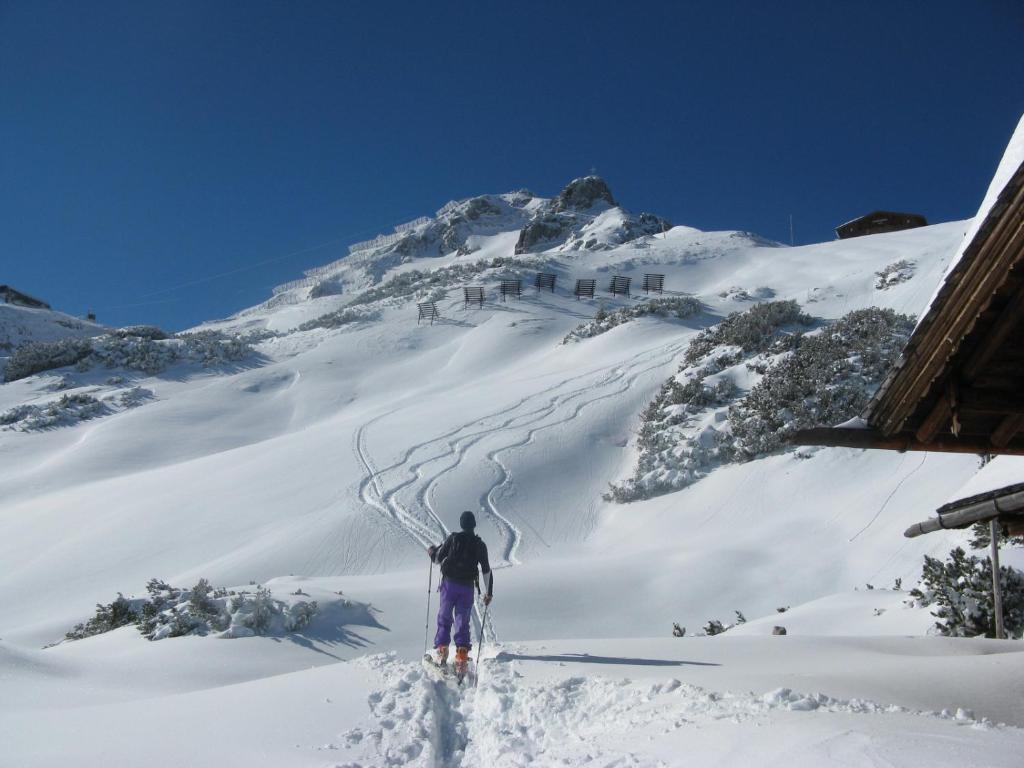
x,y
959,384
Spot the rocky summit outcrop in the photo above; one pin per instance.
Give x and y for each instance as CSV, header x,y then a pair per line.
x,y
644,224
581,194
545,228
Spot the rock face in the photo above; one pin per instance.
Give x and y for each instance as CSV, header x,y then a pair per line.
x,y
542,229
645,224
581,194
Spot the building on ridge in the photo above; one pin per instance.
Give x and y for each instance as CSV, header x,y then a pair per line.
x,y
11,296
876,222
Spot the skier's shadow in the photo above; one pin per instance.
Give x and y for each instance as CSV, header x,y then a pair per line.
x,y
586,658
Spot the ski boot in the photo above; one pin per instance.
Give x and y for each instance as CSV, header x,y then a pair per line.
x,y
441,657
461,662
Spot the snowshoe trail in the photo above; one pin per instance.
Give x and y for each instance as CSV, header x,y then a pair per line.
x,y
421,719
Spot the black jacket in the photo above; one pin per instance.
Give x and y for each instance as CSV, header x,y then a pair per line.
x,y
460,556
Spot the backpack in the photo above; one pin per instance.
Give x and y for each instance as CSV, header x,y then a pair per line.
x,y
462,559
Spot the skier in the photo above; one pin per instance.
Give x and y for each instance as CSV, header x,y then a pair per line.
x,y
459,556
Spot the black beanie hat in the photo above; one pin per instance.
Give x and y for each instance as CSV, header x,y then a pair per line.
x,y
467,521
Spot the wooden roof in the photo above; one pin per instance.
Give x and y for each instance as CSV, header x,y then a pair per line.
x,y
959,385
968,501
895,219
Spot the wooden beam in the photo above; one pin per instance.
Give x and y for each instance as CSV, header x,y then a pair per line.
x,y
939,417
1007,429
1010,318
1003,402
839,437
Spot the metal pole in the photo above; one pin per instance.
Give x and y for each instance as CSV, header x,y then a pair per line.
x,y
997,592
426,624
480,646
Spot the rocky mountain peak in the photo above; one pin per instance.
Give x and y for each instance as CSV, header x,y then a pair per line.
x,y
581,194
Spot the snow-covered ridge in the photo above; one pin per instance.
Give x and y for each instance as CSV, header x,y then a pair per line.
x,y
583,216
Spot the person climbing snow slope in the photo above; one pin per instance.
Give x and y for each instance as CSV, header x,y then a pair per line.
x,y
459,557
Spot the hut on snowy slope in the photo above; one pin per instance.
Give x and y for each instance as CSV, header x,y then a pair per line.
x,y
11,296
959,384
877,222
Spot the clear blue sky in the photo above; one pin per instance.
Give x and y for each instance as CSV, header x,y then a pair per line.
x,y
147,145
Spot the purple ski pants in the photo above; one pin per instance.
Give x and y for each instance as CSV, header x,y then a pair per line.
x,y
457,599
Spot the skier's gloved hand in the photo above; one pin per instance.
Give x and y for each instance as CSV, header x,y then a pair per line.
x,y
431,550
487,599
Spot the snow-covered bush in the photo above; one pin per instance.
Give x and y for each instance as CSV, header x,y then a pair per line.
x,y
172,612
827,379
214,348
894,274
701,417
960,589
145,352
120,613
752,331
228,612
67,410
678,306
39,356
714,627
339,318
150,332
136,353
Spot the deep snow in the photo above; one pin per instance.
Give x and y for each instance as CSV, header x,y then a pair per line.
x,y
336,455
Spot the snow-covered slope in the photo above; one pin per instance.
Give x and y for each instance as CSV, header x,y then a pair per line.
x,y
354,436
21,325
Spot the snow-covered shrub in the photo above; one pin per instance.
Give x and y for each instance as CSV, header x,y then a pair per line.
x,y
146,351
701,418
827,379
119,613
38,356
960,589
339,318
152,356
214,347
65,411
678,306
738,293
894,274
714,627
150,332
134,397
136,353
172,612
752,331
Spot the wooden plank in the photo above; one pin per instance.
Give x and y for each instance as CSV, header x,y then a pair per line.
x,y
1007,430
1005,402
838,437
1009,319
940,416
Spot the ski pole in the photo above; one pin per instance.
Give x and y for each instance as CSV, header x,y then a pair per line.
x,y
426,623
480,647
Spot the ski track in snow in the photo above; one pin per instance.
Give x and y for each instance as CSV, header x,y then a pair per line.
x,y
529,413
422,721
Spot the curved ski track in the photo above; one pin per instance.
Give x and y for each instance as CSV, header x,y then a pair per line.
x,y
530,413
